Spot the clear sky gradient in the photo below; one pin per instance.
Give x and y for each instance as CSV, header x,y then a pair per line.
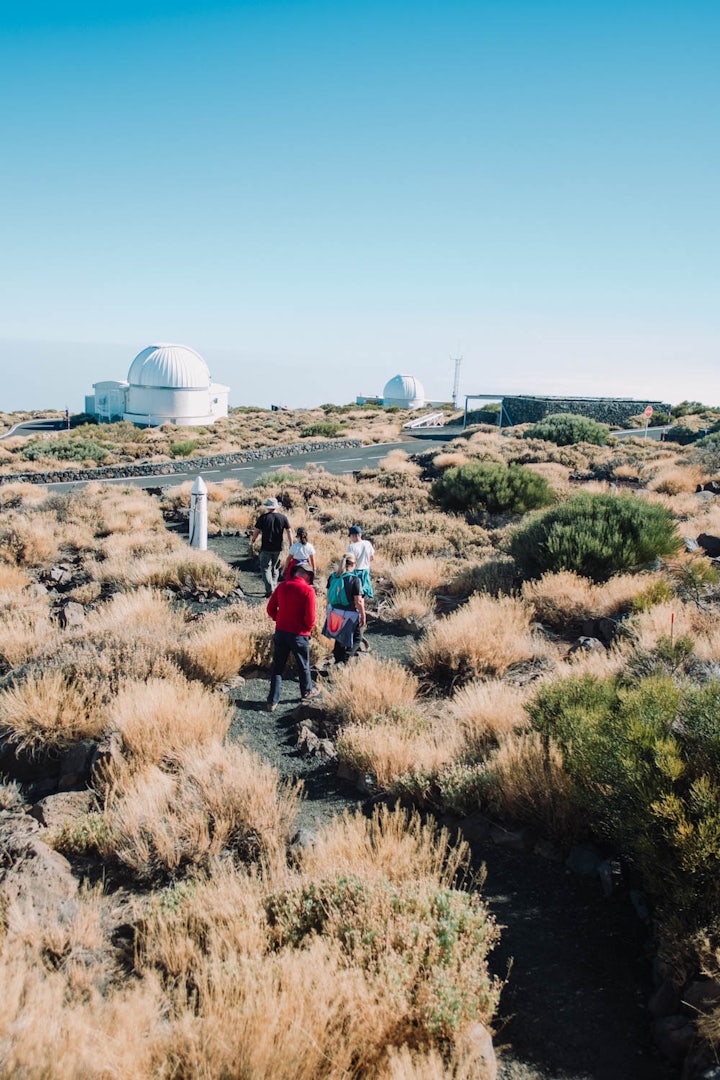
x,y
319,195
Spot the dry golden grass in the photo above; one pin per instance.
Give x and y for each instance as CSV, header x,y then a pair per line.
x,y
426,573
226,643
12,579
158,718
398,461
398,749
689,621
485,712
29,540
676,479
529,785
450,459
413,604
25,627
407,545
216,799
485,637
368,688
48,710
392,844
142,615
494,574
560,599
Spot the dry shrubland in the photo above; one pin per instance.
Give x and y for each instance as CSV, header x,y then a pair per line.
x,y
332,980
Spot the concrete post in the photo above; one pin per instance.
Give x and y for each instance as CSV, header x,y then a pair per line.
x,y
199,515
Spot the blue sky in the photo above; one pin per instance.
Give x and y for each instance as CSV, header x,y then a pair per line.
x,y
317,196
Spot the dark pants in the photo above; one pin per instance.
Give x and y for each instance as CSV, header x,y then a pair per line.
x,y
341,653
284,644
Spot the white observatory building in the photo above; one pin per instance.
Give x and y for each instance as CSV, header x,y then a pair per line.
x,y
166,384
405,391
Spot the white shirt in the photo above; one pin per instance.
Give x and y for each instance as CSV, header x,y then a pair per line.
x,y
363,552
301,552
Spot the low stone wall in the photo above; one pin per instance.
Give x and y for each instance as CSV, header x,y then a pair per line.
x,y
187,465
613,411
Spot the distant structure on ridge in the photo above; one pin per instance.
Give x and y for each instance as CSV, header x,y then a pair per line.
x,y
166,384
405,391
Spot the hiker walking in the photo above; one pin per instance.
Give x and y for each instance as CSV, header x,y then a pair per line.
x,y
292,607
272,526
364,553
345,618
301,551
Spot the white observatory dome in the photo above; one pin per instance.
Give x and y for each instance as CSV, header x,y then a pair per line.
x,y
176,367
405,391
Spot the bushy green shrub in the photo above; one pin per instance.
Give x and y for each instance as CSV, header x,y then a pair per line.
x,y
491,487
596,536
183,449
645,759
688,408
428,942
324,429
70,449
682,435
564,429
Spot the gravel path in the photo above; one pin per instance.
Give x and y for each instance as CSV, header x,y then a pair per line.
x,y
577,976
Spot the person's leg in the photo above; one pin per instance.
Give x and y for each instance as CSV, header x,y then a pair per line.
x,y
301,652
265,559
275,563
356,641
282,643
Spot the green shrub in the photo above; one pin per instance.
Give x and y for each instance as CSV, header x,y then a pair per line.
x,y
428,943
324,429
682,435
645,760
688,408
491,487
70,449
595,536
564,429
183,449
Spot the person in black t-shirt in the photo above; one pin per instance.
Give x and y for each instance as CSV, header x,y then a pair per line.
x,y
272,526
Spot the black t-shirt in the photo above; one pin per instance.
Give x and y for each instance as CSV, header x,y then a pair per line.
x,y
272,526
353,588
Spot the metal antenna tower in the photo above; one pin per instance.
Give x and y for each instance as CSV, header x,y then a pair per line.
x,y
456,380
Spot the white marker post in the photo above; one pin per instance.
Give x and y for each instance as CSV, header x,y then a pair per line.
x,y
198,515
648,414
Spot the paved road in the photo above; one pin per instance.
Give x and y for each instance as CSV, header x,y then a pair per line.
x,y
34,427
335,461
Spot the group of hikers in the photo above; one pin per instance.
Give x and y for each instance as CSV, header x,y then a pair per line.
x,y
291,596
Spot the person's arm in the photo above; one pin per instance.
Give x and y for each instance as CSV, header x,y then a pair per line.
x,y
359,600
310,610
288,536
253,538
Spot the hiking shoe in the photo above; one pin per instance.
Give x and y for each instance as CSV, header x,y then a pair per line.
x,y
270,707
310,694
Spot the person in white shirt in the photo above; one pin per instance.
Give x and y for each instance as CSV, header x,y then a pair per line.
x,y
364,553
301,551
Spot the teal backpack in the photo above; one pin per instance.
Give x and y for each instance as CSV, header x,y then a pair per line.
x,y
337,593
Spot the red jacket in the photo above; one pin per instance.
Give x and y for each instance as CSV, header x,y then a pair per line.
x,y
292,606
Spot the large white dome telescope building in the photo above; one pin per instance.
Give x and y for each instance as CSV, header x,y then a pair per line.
x,y
166,384
405,391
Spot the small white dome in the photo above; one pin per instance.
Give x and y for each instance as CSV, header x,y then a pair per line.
x,y
171,366
405,391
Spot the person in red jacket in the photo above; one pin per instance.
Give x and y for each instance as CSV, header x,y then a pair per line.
x,y
292,606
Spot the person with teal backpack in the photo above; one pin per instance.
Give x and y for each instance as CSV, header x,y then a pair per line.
x,y
345,618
